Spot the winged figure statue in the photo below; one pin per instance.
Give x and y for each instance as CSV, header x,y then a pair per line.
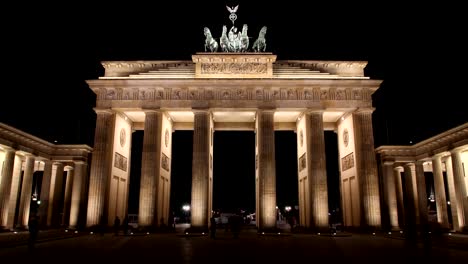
x,y
232,10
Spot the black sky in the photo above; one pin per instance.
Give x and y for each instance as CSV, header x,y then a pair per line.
x,y
49,50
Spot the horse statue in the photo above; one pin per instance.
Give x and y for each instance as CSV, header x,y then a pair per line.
x,y
224,40
210,42
260,44
244,39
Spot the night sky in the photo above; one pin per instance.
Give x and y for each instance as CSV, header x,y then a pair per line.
x,y
50,50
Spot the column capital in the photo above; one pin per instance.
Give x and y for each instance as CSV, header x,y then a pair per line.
x,y
7,148
79,162
314,111
103,111
151,110
398,168
68,168
201,110
389,162
364,110
457,150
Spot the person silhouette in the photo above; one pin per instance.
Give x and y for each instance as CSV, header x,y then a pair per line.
x,y
33,227
116,225
213,227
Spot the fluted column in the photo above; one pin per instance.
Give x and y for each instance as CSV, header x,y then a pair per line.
x,y
460,189
56,196
399,195
409,200
15,190
266,170
45,193
77,196
100,168
422,195
441,200
150,166
5,185
390,194
452,194
67,200
26,189
367,168
200,170
317,171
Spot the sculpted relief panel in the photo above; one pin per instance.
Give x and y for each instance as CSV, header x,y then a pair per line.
x,y
234,68
234,93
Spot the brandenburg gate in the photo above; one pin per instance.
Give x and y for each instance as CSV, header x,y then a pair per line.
x,y
249,91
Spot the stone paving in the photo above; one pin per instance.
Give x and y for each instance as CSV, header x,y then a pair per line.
x,y
250,247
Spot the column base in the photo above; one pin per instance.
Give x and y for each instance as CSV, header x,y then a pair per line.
x,y
194,230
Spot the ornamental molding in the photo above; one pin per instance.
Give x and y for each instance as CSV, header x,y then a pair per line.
x,y
437,145
29,144
194,93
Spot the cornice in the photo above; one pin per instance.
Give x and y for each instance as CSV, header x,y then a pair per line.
x,y
22,141
452,139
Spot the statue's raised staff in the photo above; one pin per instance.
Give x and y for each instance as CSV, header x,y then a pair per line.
x,y
210,42
260,44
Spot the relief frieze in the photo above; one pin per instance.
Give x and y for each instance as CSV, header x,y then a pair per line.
x,y
234,68
234,93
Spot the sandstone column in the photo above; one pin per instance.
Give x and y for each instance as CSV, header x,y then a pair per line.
x,y
150,169
316,171
67,200
266,170
441,200
45,193
15,189
100,168
366,167
422,195
200,170
409,200
26,189
390,197
399,195
5,185
56,197
77,196
452,194
460,189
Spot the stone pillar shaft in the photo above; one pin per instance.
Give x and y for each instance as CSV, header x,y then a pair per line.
x,y
317,171
150,168
422,195
367,168
100,168
5,185
399,195
266,170
45,193
452,194
460,189
409,201
15,190
441,200
26,191
67,200
200,170
57,196
391,197
79,175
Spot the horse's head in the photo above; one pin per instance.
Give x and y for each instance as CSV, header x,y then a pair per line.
x,y
244,29
263,31
207,32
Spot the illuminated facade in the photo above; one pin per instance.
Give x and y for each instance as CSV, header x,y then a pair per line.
x,y
26,161
404,178
234,91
